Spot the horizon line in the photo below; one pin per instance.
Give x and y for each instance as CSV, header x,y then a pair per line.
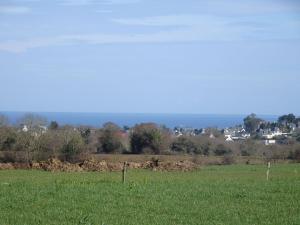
x,y
153,113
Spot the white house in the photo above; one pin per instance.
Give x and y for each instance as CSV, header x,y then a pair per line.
x,y
25,128
212,136
43,129
236,133
275,133
229,139
270,142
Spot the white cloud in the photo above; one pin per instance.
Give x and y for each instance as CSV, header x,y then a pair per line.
x,y
14,10
104,11
171,20
176,35
241,7
89,2
122,1
199,32
159,37
25,1
175,28
228,27
75,2
206,20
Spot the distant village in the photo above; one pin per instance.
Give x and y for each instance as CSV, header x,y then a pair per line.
x,y
287,126
33,138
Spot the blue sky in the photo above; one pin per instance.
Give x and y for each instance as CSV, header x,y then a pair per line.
x,y
171,56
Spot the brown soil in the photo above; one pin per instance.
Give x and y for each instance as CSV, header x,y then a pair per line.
x,y
96,165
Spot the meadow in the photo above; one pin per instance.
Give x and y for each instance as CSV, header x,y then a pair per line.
x,y
219,195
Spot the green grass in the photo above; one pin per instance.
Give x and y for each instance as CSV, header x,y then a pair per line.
x,y
233,195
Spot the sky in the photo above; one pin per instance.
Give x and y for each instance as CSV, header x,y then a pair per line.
x,y
150,56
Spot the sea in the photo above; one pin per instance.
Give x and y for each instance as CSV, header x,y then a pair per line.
x,y
195,121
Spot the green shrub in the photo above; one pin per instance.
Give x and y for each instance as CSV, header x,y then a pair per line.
x,y
110,140
185,145
147,136
221,150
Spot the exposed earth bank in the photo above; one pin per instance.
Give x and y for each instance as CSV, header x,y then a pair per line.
x,y
94,165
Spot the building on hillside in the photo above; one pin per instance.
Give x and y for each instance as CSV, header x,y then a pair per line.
x,y
236,133
42,129
179,131
293,127
268,134
36,131
212,136
270,142
25,128
229,139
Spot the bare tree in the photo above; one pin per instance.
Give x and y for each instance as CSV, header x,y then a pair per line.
x,y
3,120
32,120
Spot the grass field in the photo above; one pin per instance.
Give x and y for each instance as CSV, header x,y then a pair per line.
x,y
232,195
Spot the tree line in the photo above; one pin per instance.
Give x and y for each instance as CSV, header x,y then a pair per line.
x,y
253,123
42,140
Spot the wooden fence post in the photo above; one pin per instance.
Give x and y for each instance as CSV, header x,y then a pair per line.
x,y
124,172
268,170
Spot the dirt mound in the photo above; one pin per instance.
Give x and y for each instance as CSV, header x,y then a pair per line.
x,y
57,165
10,166
6,166
94,165
115,166
183,166
172,166
135,165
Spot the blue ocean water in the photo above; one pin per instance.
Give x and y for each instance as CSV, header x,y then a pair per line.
x,y
130,119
